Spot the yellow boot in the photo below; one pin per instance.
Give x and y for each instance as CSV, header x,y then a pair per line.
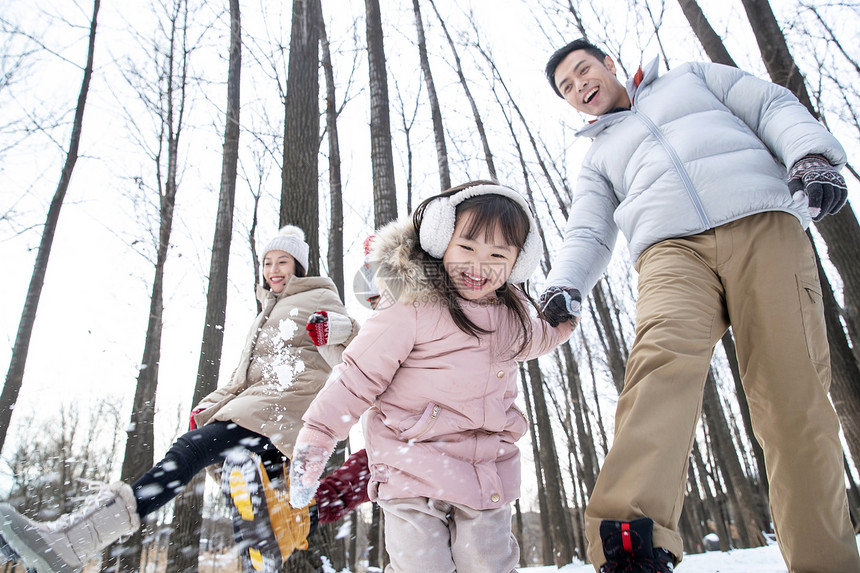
x,y
266,527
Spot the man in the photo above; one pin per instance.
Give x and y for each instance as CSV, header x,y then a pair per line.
x,y
691,167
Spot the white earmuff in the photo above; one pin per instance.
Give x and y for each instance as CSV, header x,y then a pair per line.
x,y
440,216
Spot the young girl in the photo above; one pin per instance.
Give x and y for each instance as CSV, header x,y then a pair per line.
x,y
435,369
283,366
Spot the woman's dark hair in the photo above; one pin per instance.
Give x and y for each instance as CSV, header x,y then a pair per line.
x,y
300,272
488,212
561,53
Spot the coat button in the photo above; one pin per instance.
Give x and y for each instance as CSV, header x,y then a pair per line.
x,y
500,374
495,498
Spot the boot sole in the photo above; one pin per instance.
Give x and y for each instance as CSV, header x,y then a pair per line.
x,y
243,487
35,554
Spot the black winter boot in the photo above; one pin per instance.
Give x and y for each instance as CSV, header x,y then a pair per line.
x,y
628,548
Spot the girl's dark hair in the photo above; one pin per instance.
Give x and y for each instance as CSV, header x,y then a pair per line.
x,y
488,213
556,58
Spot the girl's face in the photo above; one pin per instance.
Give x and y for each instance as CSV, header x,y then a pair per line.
x,y
278,267
478,265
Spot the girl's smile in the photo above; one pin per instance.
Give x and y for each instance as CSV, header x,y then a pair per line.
x,y
478,265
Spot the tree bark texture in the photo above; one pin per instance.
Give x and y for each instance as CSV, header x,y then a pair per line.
x,y
708,37
185,539
561,536
139,454
381,155
335,237
300,177
435,110
738,486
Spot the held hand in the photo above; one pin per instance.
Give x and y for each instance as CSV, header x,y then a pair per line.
x,y
814,177
559,304
192,424
317,328
306,468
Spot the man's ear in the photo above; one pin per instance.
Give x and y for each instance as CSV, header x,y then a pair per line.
x,y
609,63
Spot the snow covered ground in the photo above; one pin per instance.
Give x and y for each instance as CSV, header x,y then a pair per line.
x,y
760,560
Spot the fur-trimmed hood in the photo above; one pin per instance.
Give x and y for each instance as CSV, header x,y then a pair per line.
x,y
395,257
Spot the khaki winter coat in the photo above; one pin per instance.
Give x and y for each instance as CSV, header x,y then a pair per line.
x,y
441,416
280,370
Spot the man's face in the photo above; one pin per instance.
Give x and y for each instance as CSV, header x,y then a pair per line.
x,y
590,85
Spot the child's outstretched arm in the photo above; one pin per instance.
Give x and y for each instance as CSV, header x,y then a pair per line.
x,y
369,365
545,337
312,450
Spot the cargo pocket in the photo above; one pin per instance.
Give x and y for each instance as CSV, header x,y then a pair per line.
x,y
812,312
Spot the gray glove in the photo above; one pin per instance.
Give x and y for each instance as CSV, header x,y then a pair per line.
x,y
816,178
559,304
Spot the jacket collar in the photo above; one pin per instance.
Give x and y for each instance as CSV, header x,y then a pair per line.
x,y
295,285
642,77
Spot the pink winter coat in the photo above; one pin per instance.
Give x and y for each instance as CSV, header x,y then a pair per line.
x,y
441,419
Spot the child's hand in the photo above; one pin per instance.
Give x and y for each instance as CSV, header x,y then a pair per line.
x,y
317,328
310,454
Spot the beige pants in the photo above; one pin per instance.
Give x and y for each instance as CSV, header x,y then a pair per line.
x,y
430,536
757,274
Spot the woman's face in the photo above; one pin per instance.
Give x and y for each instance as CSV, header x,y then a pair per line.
x,y
478,266
278,267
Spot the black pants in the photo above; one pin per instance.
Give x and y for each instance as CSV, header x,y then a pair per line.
x,y
191,453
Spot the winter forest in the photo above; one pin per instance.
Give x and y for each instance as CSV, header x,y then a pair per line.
x,y
149,147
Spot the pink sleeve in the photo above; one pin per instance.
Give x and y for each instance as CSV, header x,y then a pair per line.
x,y
545,338
369,364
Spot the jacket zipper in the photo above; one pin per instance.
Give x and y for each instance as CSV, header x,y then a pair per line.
x,y
679,166
427,425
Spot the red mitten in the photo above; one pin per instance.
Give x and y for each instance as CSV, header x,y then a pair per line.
x,y
192,425
317,328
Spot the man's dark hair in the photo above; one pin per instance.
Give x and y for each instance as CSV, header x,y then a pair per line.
x,y
561,53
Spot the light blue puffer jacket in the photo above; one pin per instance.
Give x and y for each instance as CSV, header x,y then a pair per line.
x,y
702,145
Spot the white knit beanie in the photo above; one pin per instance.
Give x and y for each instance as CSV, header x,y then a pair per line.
x,y
290,239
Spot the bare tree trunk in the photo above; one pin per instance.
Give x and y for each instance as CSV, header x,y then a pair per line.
x,y
381,155
710,40
376,549
435,111
15,374
518,532
561,536
184,546
845,388
335,237
299,178
547,539
710,501
615,352
479,124
724,450
584,435
139,456
743,405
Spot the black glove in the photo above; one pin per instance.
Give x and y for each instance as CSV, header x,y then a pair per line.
x,y
816,178
559,304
